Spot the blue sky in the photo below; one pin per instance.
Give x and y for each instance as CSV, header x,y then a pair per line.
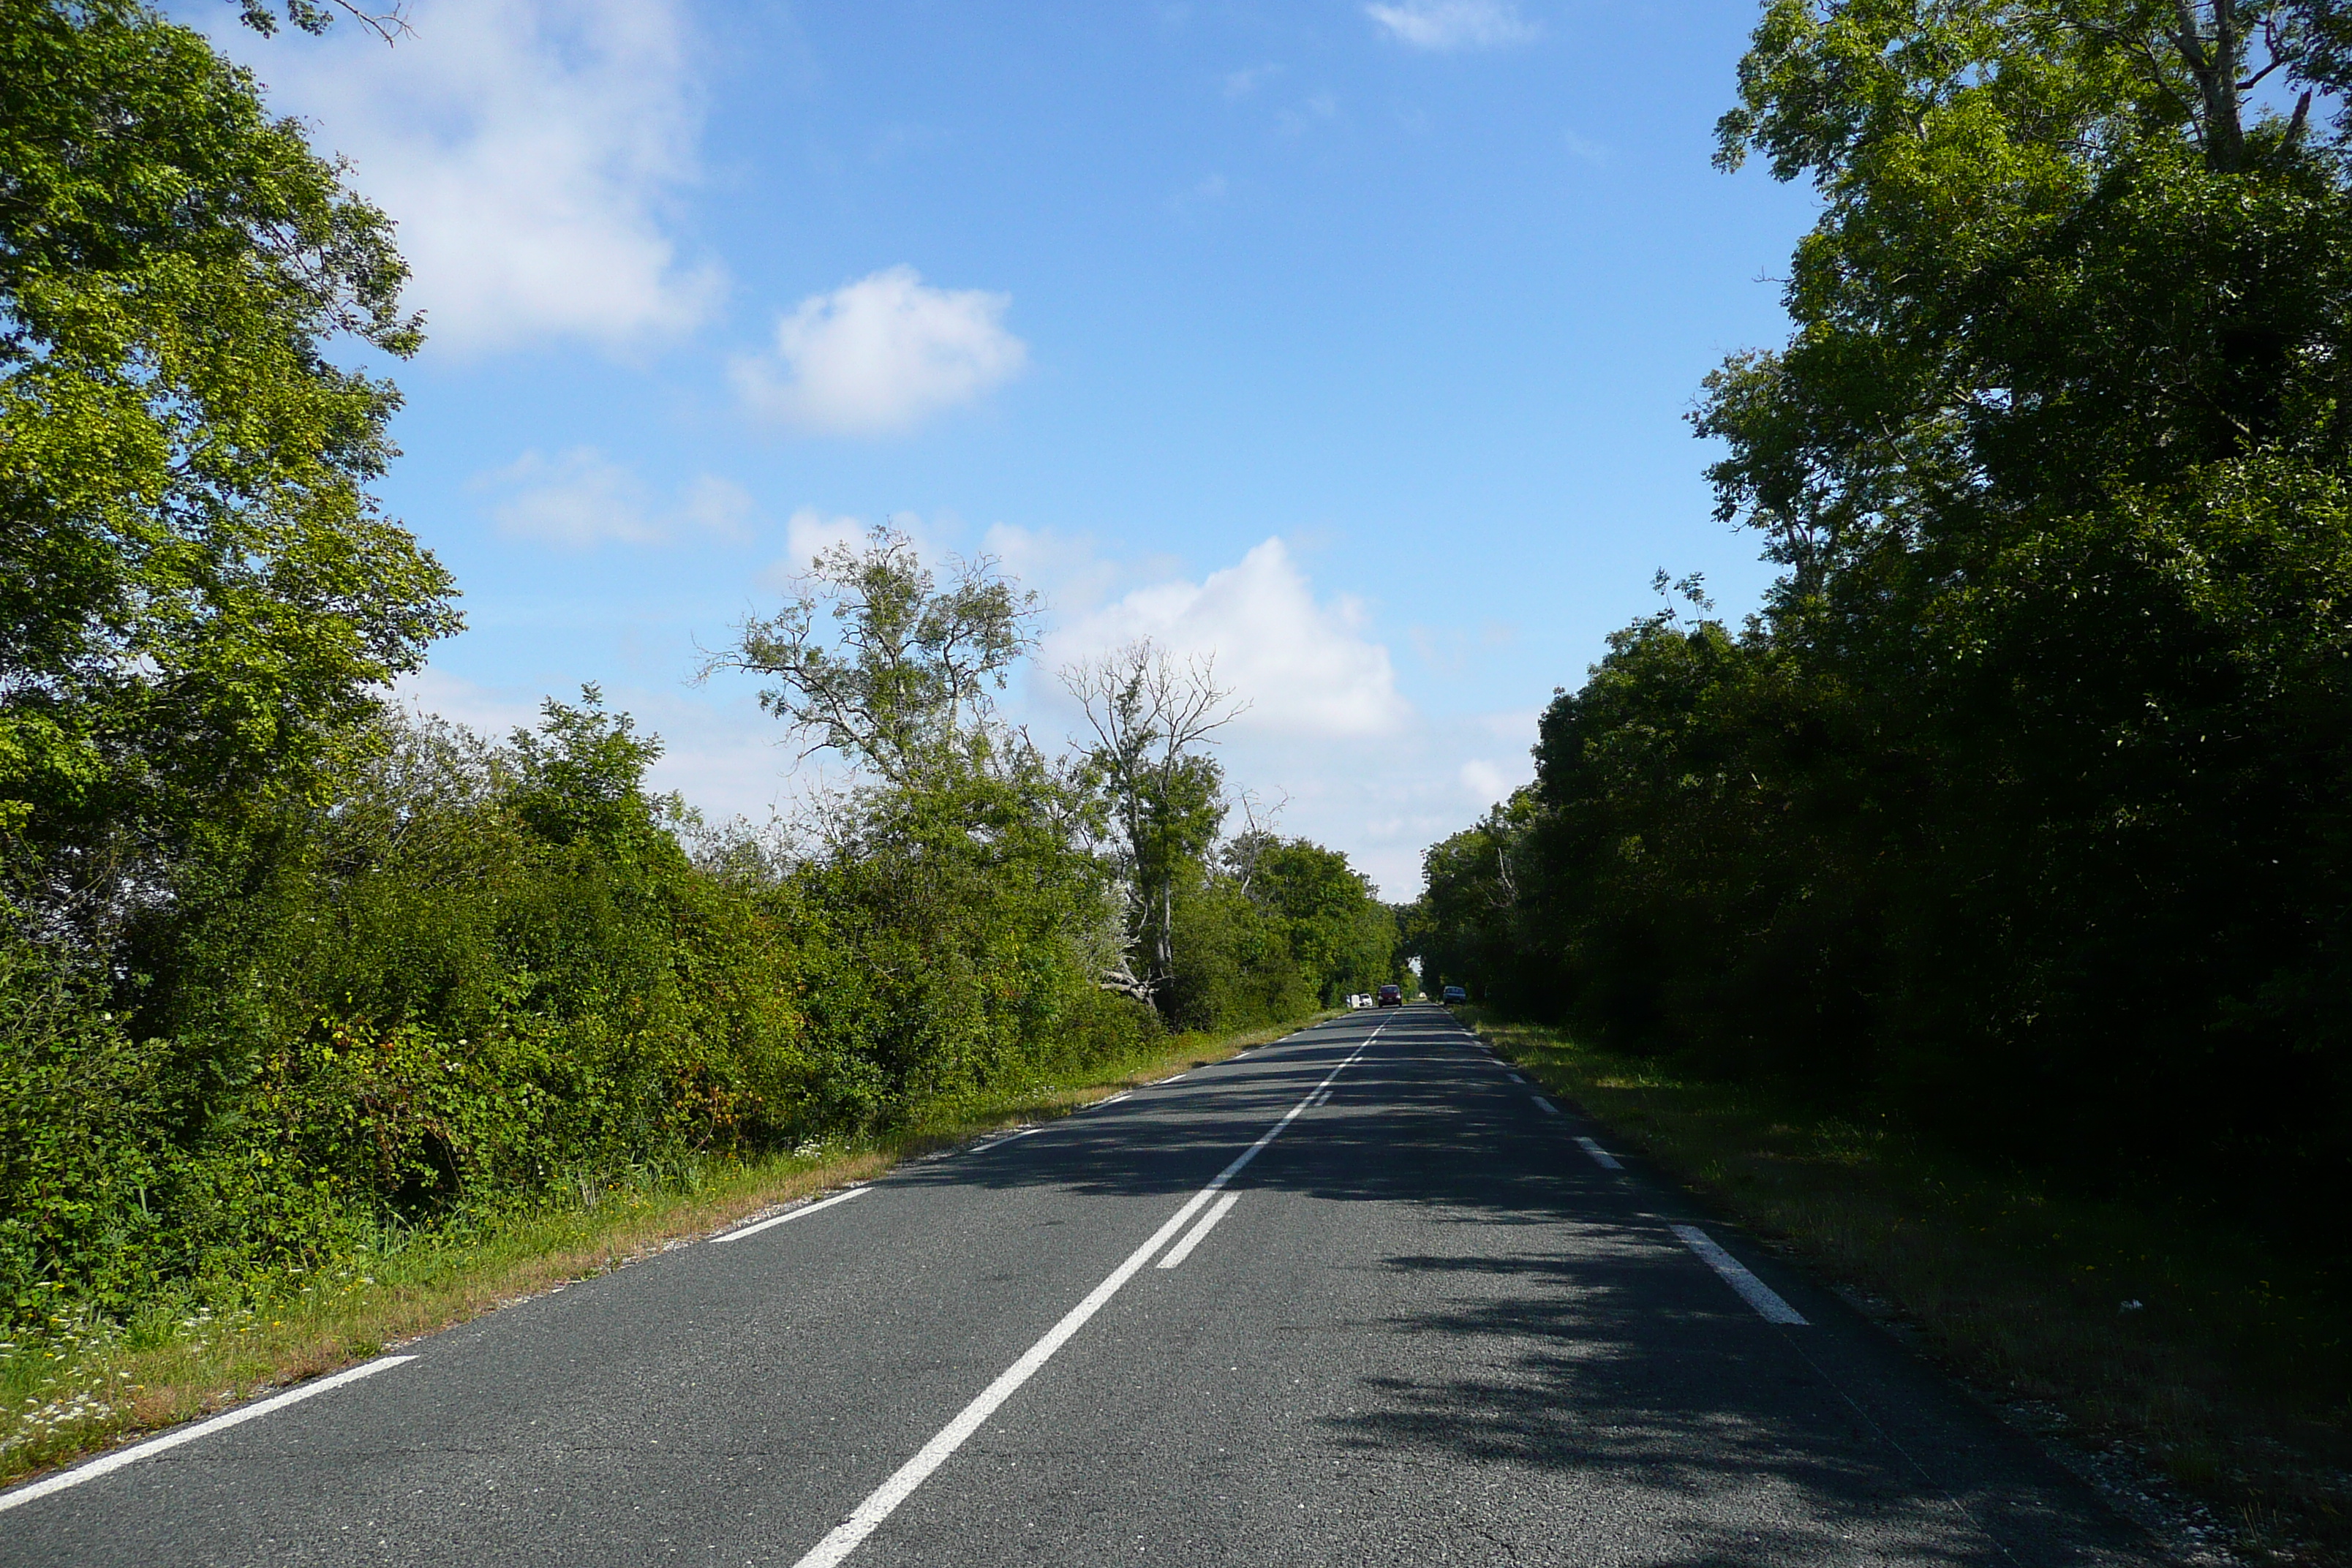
x,y
1351,343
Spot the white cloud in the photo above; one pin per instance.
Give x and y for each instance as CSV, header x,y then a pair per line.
x,y
486,711
580,498
528,150
881,355
1448,25
1484,781
809,534
718,751
1304,666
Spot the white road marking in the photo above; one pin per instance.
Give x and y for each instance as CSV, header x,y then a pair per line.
x,y
1601,1157
1546,1105
1114,1100
846,1537
1752,1291
1183,1249
792,1215
1512,1076
1179,1077
155,1445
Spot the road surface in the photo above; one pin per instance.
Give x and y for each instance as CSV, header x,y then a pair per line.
x,y
1413,1316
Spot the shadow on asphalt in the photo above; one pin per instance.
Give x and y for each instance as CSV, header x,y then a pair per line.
x,y
1576,1335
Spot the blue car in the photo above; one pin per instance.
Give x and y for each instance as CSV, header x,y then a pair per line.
x,y
1456,993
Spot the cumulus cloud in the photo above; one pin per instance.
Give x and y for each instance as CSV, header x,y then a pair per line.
x,y
1305,667
1446,26
881,355
581,498
530,151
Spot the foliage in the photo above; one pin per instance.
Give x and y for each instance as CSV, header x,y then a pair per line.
x,y
1341,936
196,595
899,682
2021,805
289,979
1162,793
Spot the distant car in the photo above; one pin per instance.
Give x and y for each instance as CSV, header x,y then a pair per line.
x,y
1456,993
1391,996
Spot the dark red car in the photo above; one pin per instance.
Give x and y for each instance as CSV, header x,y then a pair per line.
x,y
1391,996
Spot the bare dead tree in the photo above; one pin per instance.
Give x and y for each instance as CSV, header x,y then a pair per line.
x,y
1152,714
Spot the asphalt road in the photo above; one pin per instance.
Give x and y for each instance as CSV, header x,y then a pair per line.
x,y
1429,1326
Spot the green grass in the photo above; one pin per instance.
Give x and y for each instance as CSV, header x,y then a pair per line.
x,y
85,1385
2233,1374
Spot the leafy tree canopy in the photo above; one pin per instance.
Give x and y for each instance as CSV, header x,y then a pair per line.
x,y
197,595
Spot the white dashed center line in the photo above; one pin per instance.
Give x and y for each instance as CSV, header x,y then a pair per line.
x,y
846,1537
1183,1249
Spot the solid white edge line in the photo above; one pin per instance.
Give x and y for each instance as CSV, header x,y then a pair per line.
x,y
153,1445
1752,1291
1183,1249
846,1537
1601,1157
788,1216
1546,1105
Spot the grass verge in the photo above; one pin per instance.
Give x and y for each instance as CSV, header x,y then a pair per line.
x,y
88,1386
2175,1335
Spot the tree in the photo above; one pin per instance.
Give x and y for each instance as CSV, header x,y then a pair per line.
x,y
198,597
1149,715
1343,937
2020,805
901,680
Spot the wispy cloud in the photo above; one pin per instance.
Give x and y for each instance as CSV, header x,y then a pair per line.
x,y
580,498
530,151
881,355
1446,26
1249,79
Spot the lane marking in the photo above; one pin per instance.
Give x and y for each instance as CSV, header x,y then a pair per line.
x,y
846,1537
1752,1291
801,1213
1601,1157
1114,1100
1546,1105
1512,1076
155,1445
1179,1077
1183,1249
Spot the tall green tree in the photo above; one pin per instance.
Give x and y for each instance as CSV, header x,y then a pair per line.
x,y
1342,937
2021,803
198,595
